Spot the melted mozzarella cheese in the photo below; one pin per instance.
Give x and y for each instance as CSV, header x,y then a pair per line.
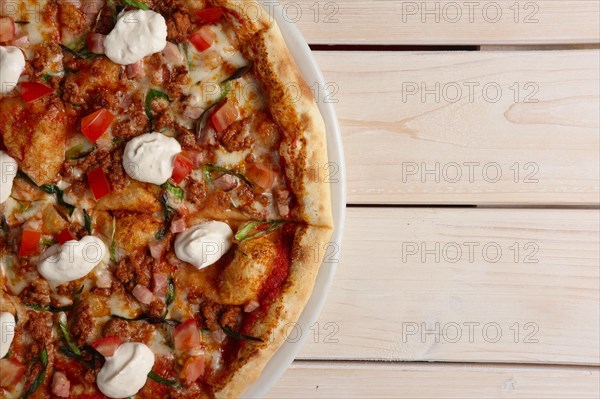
x,y
149,158
126,372
137,34
8,171
12,65
72,260
204,244
7,332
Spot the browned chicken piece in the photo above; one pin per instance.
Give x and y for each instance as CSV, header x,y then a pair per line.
x,y
135,230
134,198
34,134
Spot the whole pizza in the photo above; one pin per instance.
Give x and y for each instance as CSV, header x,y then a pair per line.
x,y
163,211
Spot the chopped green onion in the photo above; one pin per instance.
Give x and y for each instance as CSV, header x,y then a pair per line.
x,y
207,170
82,52
88,222
168,212
51,189
40,378
79,151
173,384
67,337
176,191
136,4
241,337
243,233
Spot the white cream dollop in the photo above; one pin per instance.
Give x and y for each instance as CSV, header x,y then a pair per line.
x,y
204,244
125,372
137,34
8,172
149,158
12,65
7,332
72,260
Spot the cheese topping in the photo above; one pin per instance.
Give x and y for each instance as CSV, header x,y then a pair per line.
x,y
7,332
204,244
8,172
149,158
12,65
72,260
137,34
126,372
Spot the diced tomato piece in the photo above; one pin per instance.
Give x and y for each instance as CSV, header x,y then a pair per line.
x,y
65,236
210,15
261,175
224,116
30,242
182,167
7,29
203,38
94,125
31,91
107,346
192,369
11,371
95,42
187,336
98,183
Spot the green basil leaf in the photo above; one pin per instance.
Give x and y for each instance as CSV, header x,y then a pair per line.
x,y
68,340
173,384
177,192
135,4
208,169
150,97
241,337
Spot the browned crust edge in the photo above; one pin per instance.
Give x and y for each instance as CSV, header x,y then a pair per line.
x,y
307,257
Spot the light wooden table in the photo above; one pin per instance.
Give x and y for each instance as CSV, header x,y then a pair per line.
x,y
470,267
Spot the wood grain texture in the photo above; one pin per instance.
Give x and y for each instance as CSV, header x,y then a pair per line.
x,y
354,380
445,22
527,292
508,128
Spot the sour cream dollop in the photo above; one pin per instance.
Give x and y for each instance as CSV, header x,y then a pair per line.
x,y
7,332
126,372
12,65
72,260
149,158
204,244
8,172
137,34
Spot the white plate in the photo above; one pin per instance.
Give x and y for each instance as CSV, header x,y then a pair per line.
x,y
281,361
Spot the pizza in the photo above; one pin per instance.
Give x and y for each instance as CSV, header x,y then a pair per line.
x,y
163,212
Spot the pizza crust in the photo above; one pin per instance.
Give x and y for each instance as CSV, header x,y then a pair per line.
x,y
307,255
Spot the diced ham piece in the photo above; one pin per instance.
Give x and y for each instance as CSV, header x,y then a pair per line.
x,y
178,225
135,70
61,386
172,54
91,8
157,248
193,112
104,280
193,369
218,335
11,372
159,284
95,43
251,306
21,41
143,294
197,157
7,29
226,182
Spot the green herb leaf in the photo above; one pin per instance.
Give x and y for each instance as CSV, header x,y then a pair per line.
x,y
23,176
40,378
50,309
80,151
177,192
152,95
170,297
82,52
241,72
51,189
241,337
243,234
168,212
135,4
113,244
207,170
88,222
67,337
173,384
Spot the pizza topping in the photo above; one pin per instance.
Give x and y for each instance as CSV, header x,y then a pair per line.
x,y
126,372
137,34
193,369
72,260
7,332
186,336
150,158
30,242
98,183
31,91
8,170
204,244
61,386
11,372
7,29
107,346
95,43
95,124
12,65
203,38
225,116
143,294
182,168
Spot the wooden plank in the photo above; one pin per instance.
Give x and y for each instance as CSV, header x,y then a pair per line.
x,y
351,380
464,285
445,22
508,128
